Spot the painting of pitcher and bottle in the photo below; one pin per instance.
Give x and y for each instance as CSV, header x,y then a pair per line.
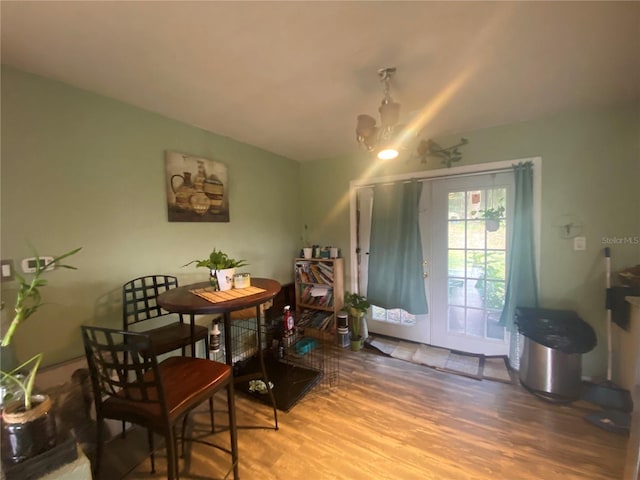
x,y
196,189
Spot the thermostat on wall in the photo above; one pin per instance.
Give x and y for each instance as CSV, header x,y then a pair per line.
x,y
29,265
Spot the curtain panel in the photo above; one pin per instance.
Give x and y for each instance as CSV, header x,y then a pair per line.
x,y
395,278
521,285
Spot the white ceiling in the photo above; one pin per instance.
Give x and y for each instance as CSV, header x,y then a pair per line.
x,y
290,77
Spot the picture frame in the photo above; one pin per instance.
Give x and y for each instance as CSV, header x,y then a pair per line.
x,y
197,188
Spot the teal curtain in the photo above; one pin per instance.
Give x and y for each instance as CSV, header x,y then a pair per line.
x,y
395,251
522,286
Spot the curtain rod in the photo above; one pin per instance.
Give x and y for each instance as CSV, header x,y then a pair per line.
x,y
435,177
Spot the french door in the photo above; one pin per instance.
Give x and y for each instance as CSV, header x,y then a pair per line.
x,y
464,264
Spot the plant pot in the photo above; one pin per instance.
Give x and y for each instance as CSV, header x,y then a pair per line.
x,y
225,278
213,280
307,252
9,390
491,225
356,344
26,434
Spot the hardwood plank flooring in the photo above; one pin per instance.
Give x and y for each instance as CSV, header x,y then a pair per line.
x,y
390,419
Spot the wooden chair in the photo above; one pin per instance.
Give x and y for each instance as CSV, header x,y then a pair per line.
x,y
157,396
139,309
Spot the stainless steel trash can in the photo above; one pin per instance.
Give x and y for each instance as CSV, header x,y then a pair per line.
x,y
551,361
550,371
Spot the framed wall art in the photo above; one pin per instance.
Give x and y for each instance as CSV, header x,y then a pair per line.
x,y
197,189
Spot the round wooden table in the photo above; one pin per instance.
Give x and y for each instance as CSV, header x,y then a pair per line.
x,y
182,300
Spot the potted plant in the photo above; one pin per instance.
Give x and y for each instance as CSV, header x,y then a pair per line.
x,y
307,250
356,305
221,268
28,425
492,217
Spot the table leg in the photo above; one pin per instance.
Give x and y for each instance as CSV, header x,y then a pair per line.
x,y
263,367
228,354
192,332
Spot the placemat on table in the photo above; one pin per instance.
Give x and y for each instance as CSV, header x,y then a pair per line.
x,y
217,297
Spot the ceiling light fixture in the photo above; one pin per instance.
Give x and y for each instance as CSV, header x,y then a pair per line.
x,y
381,139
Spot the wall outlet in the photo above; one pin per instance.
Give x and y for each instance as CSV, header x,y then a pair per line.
x,y
29,265
579,243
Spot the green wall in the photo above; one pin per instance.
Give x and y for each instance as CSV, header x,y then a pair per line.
x,y
590,168
80,169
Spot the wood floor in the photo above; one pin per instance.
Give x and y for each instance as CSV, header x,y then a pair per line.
x,y
390,419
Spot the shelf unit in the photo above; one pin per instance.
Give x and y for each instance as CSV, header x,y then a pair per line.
x,y
319,286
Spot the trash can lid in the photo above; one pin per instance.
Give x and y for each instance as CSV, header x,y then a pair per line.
x,y
561,330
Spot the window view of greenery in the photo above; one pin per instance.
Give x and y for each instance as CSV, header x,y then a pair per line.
x,y
476,262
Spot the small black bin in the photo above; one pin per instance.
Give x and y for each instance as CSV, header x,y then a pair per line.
x,y
554,341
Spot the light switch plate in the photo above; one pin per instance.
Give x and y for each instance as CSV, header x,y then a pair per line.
x,y
6,268
579,243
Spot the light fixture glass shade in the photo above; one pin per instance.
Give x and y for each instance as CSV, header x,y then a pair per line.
x,y
389,113
367,132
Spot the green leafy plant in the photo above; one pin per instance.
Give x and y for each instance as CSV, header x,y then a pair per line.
x,y
491,216
218,260
28,302
305,240
493,213
357,305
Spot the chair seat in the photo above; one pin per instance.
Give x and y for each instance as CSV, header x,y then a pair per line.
x,y
130,385
197,377
173,336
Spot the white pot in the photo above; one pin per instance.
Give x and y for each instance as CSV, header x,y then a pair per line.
x,y
492,225
225,278
308,252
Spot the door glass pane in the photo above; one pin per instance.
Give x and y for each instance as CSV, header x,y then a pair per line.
x,y
475,203
456,263
475,293
496,265
456,291
476,262
456,205
456,319
475,234
475,322
395,315
456,233
494,294
494,330
497,239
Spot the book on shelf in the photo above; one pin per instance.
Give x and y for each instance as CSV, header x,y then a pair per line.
x,y
314,272
315,319
317,295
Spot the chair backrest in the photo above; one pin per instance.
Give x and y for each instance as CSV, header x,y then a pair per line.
x,y
123,367
139,298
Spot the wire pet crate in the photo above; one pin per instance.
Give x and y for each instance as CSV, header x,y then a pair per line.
x,y
296,364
